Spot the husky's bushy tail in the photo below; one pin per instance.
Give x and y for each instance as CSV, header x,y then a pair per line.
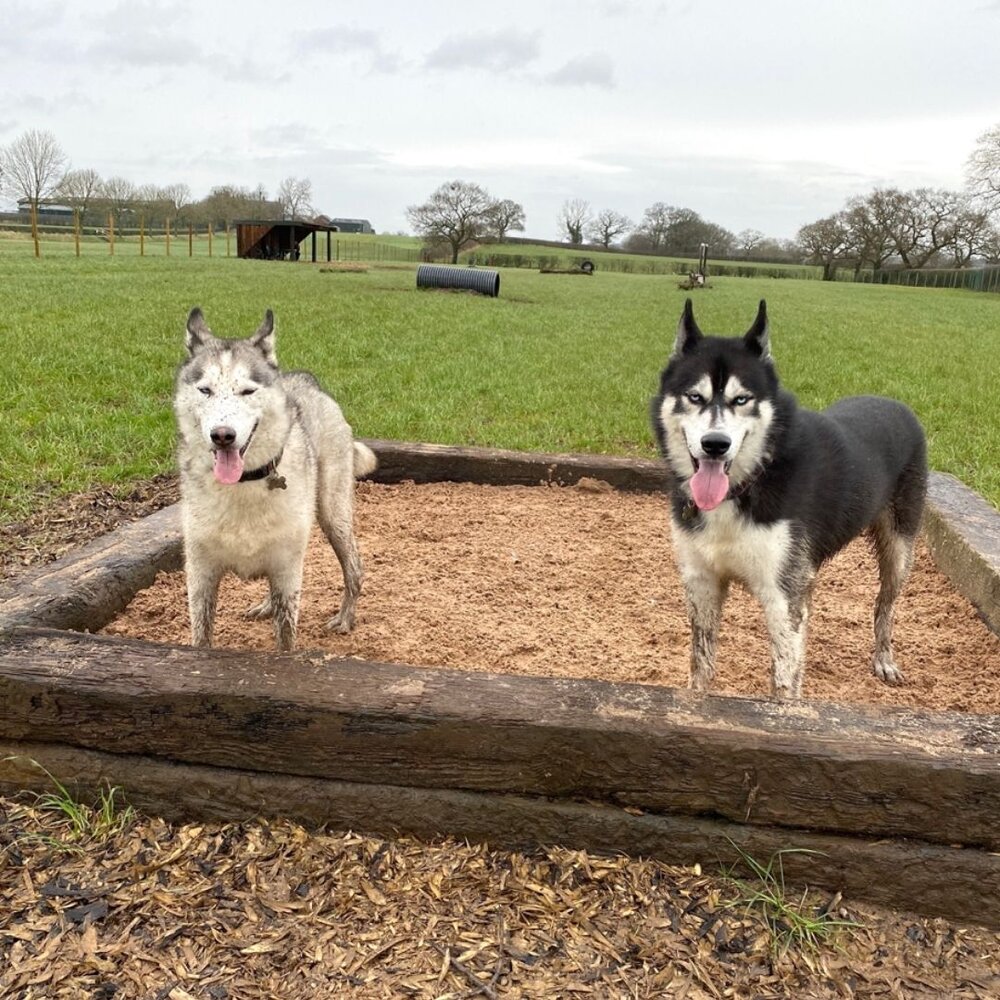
x,y
365,461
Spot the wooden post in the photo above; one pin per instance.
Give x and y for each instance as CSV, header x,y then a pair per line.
x,y
76,230
314,246
328,246
210,239
111,234
227,239
168,237
142,235
190,239
34,228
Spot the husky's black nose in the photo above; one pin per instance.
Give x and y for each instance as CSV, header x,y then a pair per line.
x,y
223,437
716,444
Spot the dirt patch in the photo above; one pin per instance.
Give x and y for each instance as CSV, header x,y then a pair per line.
x,y
580,581
57,526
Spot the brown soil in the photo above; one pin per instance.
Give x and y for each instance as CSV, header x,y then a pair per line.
x,y
580,582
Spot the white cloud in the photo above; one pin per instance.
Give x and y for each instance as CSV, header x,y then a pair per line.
x,y
594,70
494,51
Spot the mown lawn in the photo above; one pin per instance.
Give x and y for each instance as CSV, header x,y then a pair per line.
x,y
555,363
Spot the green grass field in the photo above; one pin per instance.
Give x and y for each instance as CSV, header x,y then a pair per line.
x,y
555,363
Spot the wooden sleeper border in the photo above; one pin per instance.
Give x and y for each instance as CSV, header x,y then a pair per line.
x,y
896,806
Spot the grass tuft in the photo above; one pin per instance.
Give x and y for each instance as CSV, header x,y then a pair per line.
x,y
107,817
792,922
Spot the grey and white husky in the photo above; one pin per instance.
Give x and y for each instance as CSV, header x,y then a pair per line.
x,y
763,492
262,453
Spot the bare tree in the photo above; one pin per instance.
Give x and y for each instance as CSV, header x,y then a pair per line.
x,y
982,170
118,195
828,242
655,224
607,226
871,221
178,196
573,218
457,213
748,240
31,167
78,188
506,216
295,196
972,235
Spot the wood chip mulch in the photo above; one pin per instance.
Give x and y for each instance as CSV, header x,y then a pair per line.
x,y
252,910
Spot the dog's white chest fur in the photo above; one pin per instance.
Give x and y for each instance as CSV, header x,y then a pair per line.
x,y
730,546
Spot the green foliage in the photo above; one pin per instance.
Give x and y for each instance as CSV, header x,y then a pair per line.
x,y
556,363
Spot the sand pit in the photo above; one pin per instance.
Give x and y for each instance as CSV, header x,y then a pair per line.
x,y
580,582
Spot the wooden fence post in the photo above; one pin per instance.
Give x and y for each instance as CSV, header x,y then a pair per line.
x,y
34,228
227,239
76,230
111,234
142,235
190,239
210,239
168,237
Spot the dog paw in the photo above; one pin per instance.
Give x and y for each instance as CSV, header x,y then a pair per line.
x,y
259,612
888,672
339,624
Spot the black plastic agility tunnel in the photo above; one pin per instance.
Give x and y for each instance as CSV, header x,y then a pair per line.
x,y
476,279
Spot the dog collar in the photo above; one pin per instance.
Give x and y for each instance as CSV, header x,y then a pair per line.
x,y
268,472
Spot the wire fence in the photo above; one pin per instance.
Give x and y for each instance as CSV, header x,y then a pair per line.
x,y
185,240
190,240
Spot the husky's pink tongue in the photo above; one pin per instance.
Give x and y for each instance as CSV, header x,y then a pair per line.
x,y
710,484
228,465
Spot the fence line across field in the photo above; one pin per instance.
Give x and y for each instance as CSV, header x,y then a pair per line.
x,y
206,240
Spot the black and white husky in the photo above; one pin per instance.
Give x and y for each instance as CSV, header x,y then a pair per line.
x,y
763,492
261,452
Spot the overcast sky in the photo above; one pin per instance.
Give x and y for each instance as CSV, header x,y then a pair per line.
x,y
763,115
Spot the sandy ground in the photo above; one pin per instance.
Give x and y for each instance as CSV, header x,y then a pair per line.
x,y
571,581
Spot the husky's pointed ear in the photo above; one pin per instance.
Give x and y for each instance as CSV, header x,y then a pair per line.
x,y
198,333
263,339
757,337
688,333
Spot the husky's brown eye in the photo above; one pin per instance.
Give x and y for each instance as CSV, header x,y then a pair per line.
x,y
247,392
204,390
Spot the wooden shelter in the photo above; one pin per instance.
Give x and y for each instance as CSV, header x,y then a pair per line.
x,y
280,239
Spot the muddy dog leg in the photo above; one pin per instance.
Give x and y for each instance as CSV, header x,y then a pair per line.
x,y
705,596
787,615
894,551
203,592
336,518
286,590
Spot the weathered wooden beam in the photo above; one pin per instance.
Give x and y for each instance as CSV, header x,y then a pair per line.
x,y
432,463
963,534
865,772
959,884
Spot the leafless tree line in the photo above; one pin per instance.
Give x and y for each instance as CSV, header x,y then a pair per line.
x,y
35,169
927,227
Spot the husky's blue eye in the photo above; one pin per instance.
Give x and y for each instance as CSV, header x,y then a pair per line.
x,y
204,390
695,397
741,400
